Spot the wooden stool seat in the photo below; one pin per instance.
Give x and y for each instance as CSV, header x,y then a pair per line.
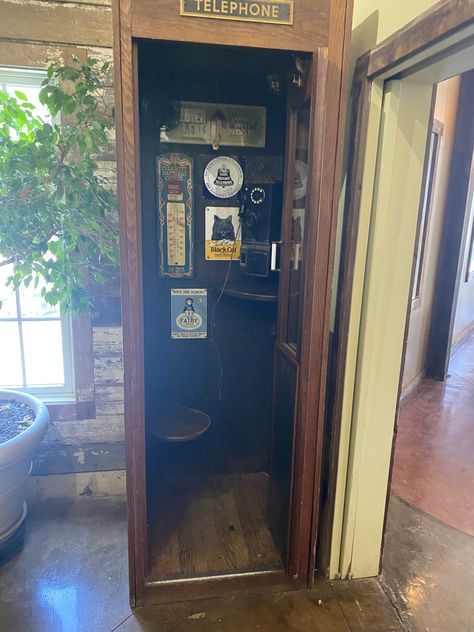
x,y
180,423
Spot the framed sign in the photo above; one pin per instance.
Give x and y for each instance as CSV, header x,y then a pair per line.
x,y
267,11
216,124
175,215
188,313
223,233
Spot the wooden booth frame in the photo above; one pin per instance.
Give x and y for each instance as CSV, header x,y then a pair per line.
x,y
322,29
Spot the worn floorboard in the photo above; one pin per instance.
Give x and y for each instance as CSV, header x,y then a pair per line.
x,y
211,525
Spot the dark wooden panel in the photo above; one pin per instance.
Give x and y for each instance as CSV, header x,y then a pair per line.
x,y
57,458
442,20
454,235
162,20
211,526
50,22
286,381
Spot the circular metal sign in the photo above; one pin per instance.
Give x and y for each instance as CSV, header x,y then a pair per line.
x,y
223,177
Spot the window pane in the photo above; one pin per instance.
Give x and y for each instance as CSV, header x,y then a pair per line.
x,y
298,223
33,306
10,356
32,94
43,345
7,294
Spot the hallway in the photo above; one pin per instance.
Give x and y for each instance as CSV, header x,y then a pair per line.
x,y
433,468
429,547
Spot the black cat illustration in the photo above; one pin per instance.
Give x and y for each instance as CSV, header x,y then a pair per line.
x,y
223,229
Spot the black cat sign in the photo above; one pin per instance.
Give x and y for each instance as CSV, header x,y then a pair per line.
x,y
223,233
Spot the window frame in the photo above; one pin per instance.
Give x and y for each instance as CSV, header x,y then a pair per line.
x,y
426,203
79,403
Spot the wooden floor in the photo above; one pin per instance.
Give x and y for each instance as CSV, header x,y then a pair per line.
x,y
211,525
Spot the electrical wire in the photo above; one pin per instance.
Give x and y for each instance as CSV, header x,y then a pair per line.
x,y
220,379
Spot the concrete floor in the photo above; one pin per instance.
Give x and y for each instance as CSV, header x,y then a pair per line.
x,y
434,454
429,549
427,571
72,577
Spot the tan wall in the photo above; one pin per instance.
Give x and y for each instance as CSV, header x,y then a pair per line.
x,y
445,113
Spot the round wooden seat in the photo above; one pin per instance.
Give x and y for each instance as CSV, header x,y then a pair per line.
x,y
180,423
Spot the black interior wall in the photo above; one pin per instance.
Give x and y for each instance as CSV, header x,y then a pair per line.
x,y
186,371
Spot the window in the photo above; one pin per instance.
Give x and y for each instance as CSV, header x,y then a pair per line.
x,y
35,338
425,209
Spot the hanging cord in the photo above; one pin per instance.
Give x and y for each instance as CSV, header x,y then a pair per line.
x,y
220,379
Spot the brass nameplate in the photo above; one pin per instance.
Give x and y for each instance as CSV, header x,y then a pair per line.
x,y
267,11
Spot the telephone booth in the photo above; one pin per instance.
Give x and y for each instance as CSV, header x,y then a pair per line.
x,y
229,134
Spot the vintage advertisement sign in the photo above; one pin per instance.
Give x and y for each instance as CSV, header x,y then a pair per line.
x,y
175,215
216,124
223,177
188,313
223,234
268,11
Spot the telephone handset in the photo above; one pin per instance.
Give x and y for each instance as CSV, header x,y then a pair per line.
x,y
260,214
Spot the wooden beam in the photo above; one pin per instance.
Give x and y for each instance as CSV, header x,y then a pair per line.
x,y
56,22
441,21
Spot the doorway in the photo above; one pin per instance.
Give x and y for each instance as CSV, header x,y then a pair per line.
x,y
396,100
222,360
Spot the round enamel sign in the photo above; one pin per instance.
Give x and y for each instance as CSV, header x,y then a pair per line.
x,y
223,177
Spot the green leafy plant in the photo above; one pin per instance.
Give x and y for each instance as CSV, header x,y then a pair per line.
x,y
57,213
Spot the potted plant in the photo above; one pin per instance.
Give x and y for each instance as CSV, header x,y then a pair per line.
x,y
24,420
57,230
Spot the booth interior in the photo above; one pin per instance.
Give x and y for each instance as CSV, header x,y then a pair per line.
x,y
218,462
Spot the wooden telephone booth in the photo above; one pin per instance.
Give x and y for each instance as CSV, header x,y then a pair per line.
x,y
229,129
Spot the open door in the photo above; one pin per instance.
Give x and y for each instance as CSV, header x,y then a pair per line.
x,y
293,431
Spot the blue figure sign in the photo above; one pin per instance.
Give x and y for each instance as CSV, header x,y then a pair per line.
x,y
188,313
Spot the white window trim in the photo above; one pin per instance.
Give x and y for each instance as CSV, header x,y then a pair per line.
x,y
50,394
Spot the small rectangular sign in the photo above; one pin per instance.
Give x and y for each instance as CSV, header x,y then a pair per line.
x,y
200,123
267,11
188,313
222,233
175,215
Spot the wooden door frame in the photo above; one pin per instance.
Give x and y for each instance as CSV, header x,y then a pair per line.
x,y
317,284
402,49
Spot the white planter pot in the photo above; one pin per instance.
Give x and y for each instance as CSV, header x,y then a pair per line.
x,y
15,465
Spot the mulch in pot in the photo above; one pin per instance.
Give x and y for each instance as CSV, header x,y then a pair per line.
x,y
15,417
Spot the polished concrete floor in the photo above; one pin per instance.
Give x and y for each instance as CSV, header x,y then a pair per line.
x,y
434,453
427,571
72,577
429,545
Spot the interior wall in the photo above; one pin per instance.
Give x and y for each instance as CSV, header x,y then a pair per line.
x,y
464,319
420,316
77,456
